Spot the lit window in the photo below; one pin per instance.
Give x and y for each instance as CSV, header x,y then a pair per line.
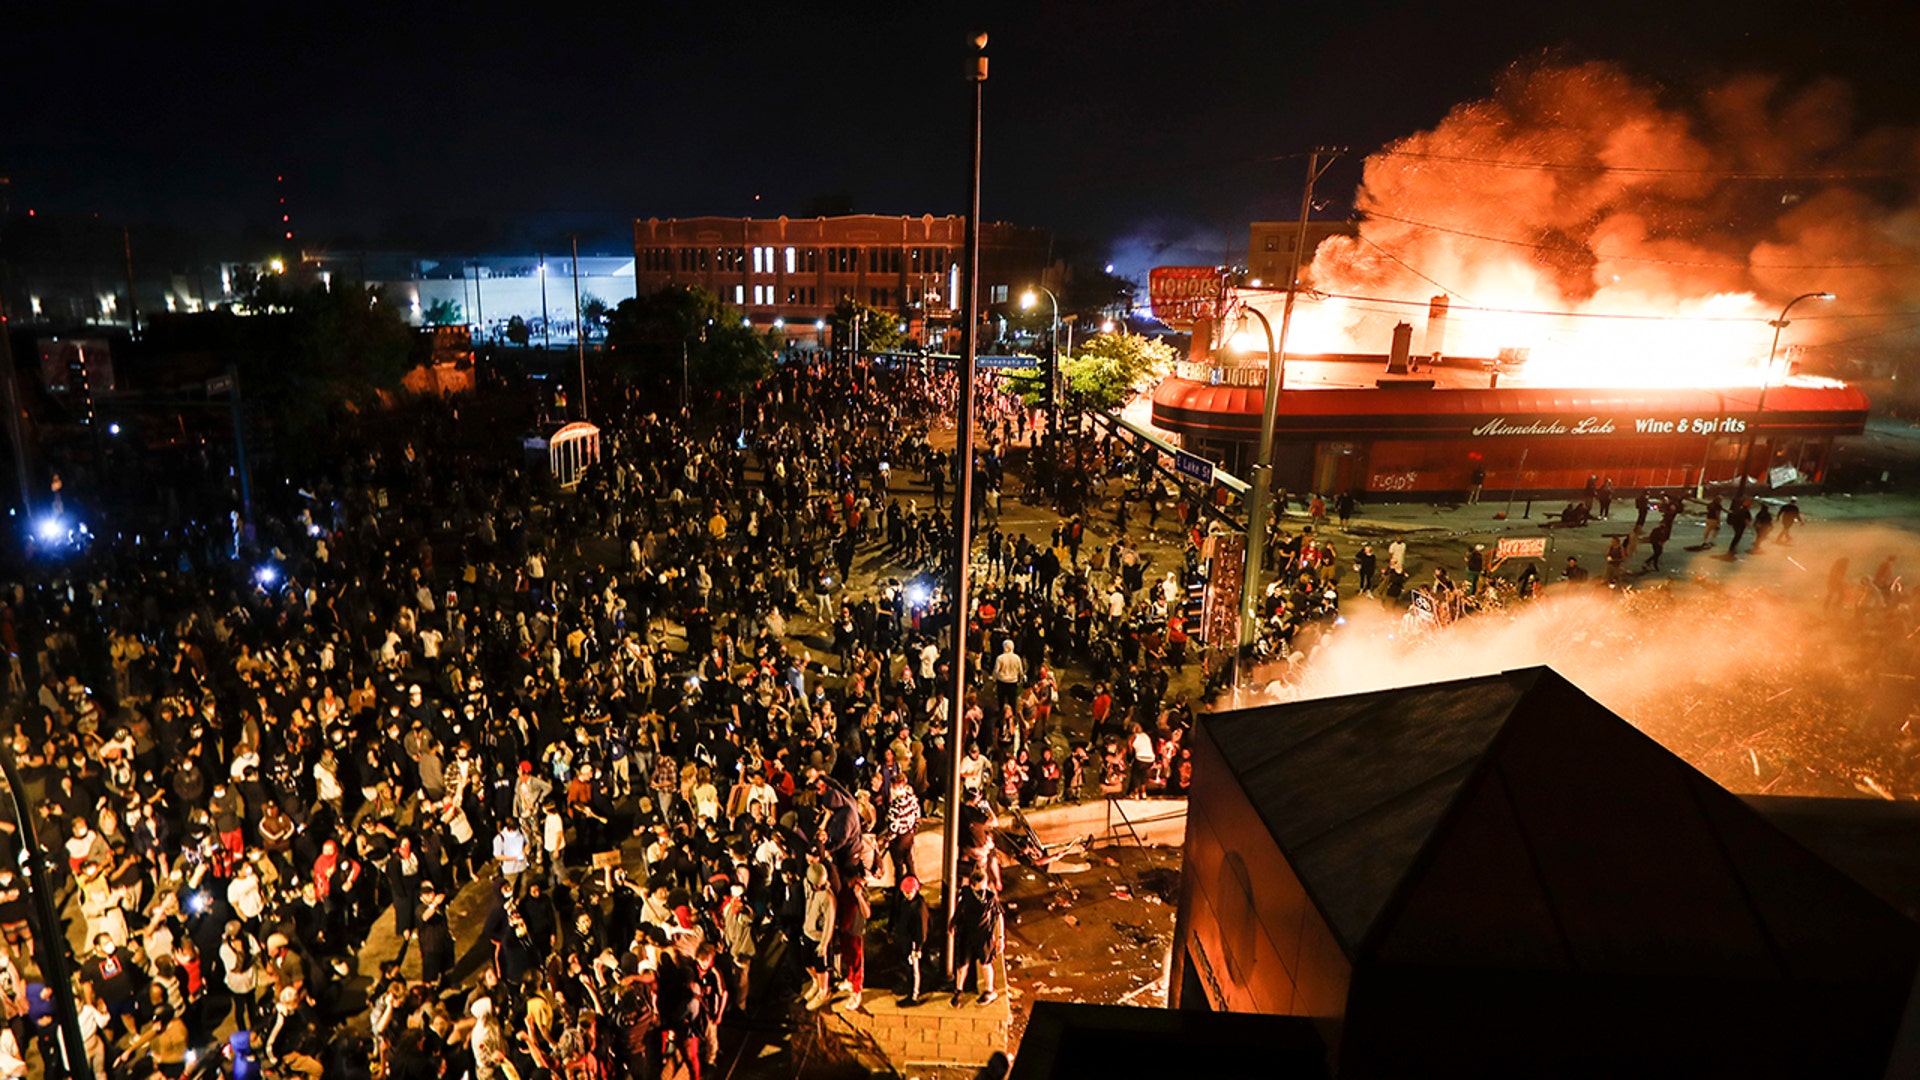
x,y
739,294
791,264
756,260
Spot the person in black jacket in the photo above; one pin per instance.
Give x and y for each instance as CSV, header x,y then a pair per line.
x,y
436,937
976,925
908,925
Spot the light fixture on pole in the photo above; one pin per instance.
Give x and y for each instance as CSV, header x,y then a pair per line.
x,y
1027,303
1766,382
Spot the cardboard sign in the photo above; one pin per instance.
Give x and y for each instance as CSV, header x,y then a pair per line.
x,y
1522,547
606,860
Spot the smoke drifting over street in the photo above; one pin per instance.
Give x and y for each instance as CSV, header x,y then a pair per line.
x,y
1763,688
1582,189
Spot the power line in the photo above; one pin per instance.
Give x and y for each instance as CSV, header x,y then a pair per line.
x,y
1641,170
1606,257
1411,268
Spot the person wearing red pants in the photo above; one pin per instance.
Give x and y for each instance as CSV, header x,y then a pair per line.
x,y
853,909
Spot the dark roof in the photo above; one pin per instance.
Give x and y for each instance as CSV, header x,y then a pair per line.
x,y
1116,1042
1511,821
1352,788
1875,841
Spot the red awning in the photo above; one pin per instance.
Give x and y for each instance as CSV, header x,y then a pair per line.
x,y
1187,405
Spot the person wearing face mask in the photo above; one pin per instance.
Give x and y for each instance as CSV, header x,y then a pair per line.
x,y
113,978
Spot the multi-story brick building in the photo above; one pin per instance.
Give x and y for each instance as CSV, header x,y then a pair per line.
x,y
792,271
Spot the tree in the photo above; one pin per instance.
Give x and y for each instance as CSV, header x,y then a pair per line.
x,y
593,314
1109,369
518,332
321,349
444,312
879,330
646,336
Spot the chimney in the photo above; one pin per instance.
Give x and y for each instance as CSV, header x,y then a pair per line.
x,y
1402,347
1436,327
1200,346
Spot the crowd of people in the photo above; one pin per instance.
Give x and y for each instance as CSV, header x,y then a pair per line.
x,y
666,739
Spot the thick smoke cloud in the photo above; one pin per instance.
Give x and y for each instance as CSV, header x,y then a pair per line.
x,y
1761,686
1719,207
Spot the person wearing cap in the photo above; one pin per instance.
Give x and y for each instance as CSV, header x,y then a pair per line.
x,y
510,847
816,933
240,961
1476,565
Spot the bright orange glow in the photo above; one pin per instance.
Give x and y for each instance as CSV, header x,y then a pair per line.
x,y
1617,237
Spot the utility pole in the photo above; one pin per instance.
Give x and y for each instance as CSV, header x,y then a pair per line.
x,y
49,937
1262,495
579,328
479,308
546,342
963,516
133,304
240,445
16,437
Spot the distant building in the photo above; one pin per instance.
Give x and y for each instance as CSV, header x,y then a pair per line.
x,y
1270,248
792,271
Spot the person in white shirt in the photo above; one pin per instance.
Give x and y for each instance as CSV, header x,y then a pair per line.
x,y
1397,556
243,894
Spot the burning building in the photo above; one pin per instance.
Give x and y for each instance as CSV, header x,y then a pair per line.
x,y
1574,277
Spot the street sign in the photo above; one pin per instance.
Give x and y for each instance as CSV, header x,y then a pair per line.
x,y
1521,547
1007,363
219,384
1193,467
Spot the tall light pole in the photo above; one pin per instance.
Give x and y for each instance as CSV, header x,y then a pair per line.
x,y
1027,301
579,328
1262,478
545,342
1766,382
963,516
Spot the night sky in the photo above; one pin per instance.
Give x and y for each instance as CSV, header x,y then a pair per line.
x,y
1118,124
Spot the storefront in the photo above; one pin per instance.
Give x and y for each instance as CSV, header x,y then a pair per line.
x,y
1418,438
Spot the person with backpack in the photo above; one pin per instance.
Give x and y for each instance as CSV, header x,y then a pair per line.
x,y
240,963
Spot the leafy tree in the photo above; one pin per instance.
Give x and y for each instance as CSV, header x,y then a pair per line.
x,y
645,336
518,331
1109,369
318,351
592,311
445,312
879,330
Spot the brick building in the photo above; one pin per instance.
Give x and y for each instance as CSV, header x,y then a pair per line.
x,y
792,271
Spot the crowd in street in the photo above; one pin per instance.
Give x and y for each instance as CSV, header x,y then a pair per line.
x,y
665,739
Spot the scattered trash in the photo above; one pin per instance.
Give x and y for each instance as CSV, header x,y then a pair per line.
x,y
1122,893
1061,866
1070,920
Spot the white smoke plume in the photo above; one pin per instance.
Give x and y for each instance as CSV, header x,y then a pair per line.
x,y
1762,686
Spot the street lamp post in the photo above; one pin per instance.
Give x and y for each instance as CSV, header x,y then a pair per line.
x,y
545,342
1027,301
1261,497
1766,382
963,517
1262,478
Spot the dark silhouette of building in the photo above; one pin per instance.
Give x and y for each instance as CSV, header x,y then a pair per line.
x,y
1498,876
